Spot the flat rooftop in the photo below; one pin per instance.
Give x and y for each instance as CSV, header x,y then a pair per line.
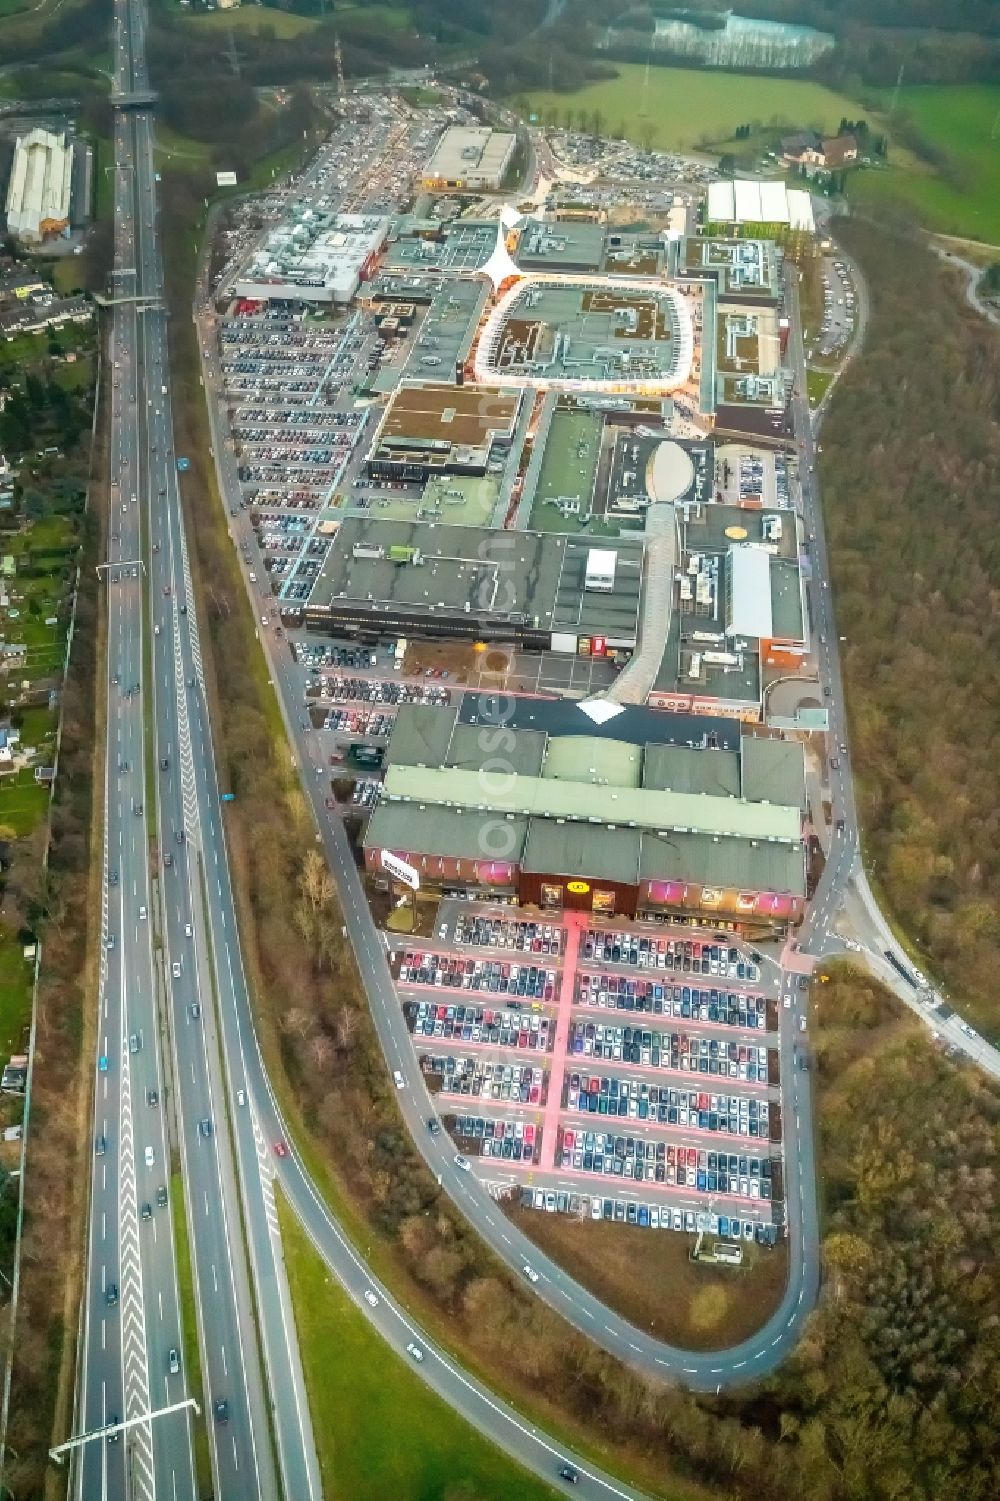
x,y
560,247
460,416
521,578
469,151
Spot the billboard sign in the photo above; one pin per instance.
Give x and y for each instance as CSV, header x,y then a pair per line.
x,y
225,179
399,868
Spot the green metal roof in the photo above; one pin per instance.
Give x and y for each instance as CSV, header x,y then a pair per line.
x,y
707,861
421,735
502,792
449,833
684,768
587,758
591,852
576,849
774,771
498,748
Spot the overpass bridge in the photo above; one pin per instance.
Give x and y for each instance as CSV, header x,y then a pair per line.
x,y
134,98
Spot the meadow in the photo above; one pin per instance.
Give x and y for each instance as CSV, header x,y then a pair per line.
x,y
282,23
682,108
964,122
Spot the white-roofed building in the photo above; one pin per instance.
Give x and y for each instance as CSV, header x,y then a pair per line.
x,y
38,195
747,201
748,605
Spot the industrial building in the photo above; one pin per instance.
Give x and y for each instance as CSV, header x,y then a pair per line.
x,y
436,429
593,823
471,157
38,195
314,257
465,583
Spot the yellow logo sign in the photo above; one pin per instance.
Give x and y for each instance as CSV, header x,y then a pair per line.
x,y
578,888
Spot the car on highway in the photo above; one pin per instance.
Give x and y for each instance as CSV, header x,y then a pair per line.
x,y
161,1196
111,1294
146,1212
142,914
102,1063
149,1157
280,1149
194,1010
100,1145
175,969
205,1126
530,1273
462,1162
173,1361
370,1298
241,1097
415,1352
221,1410
567,1473
112,1422
434,1126
397,1079
133,1042
152,1098
187,930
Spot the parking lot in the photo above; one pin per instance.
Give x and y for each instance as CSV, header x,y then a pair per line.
x,y
511,1012
837,326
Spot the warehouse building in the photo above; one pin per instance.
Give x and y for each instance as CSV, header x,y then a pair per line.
x,y
595,824
314,257
471,157
541,591
38,195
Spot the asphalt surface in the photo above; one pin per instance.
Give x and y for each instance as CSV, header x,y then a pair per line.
x,y
158,665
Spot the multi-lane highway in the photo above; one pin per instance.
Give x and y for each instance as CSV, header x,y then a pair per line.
x,y
171,1098
131,1314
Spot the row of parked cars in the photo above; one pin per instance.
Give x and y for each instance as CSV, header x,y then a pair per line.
x,y
508,933
617,993
357,722
503,1029
687,955
662,1162
648,1216
520,1083
517,1141
690,1109
674,1050
534,981
373,691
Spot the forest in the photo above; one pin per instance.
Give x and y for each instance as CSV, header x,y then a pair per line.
x,y
911,483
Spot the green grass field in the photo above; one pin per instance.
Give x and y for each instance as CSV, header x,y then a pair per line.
x,y
251,18
16,975
964,121
22,802
379,1430
171,147
681,107
817,384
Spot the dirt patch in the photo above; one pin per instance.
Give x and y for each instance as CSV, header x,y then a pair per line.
x,y
648,1277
